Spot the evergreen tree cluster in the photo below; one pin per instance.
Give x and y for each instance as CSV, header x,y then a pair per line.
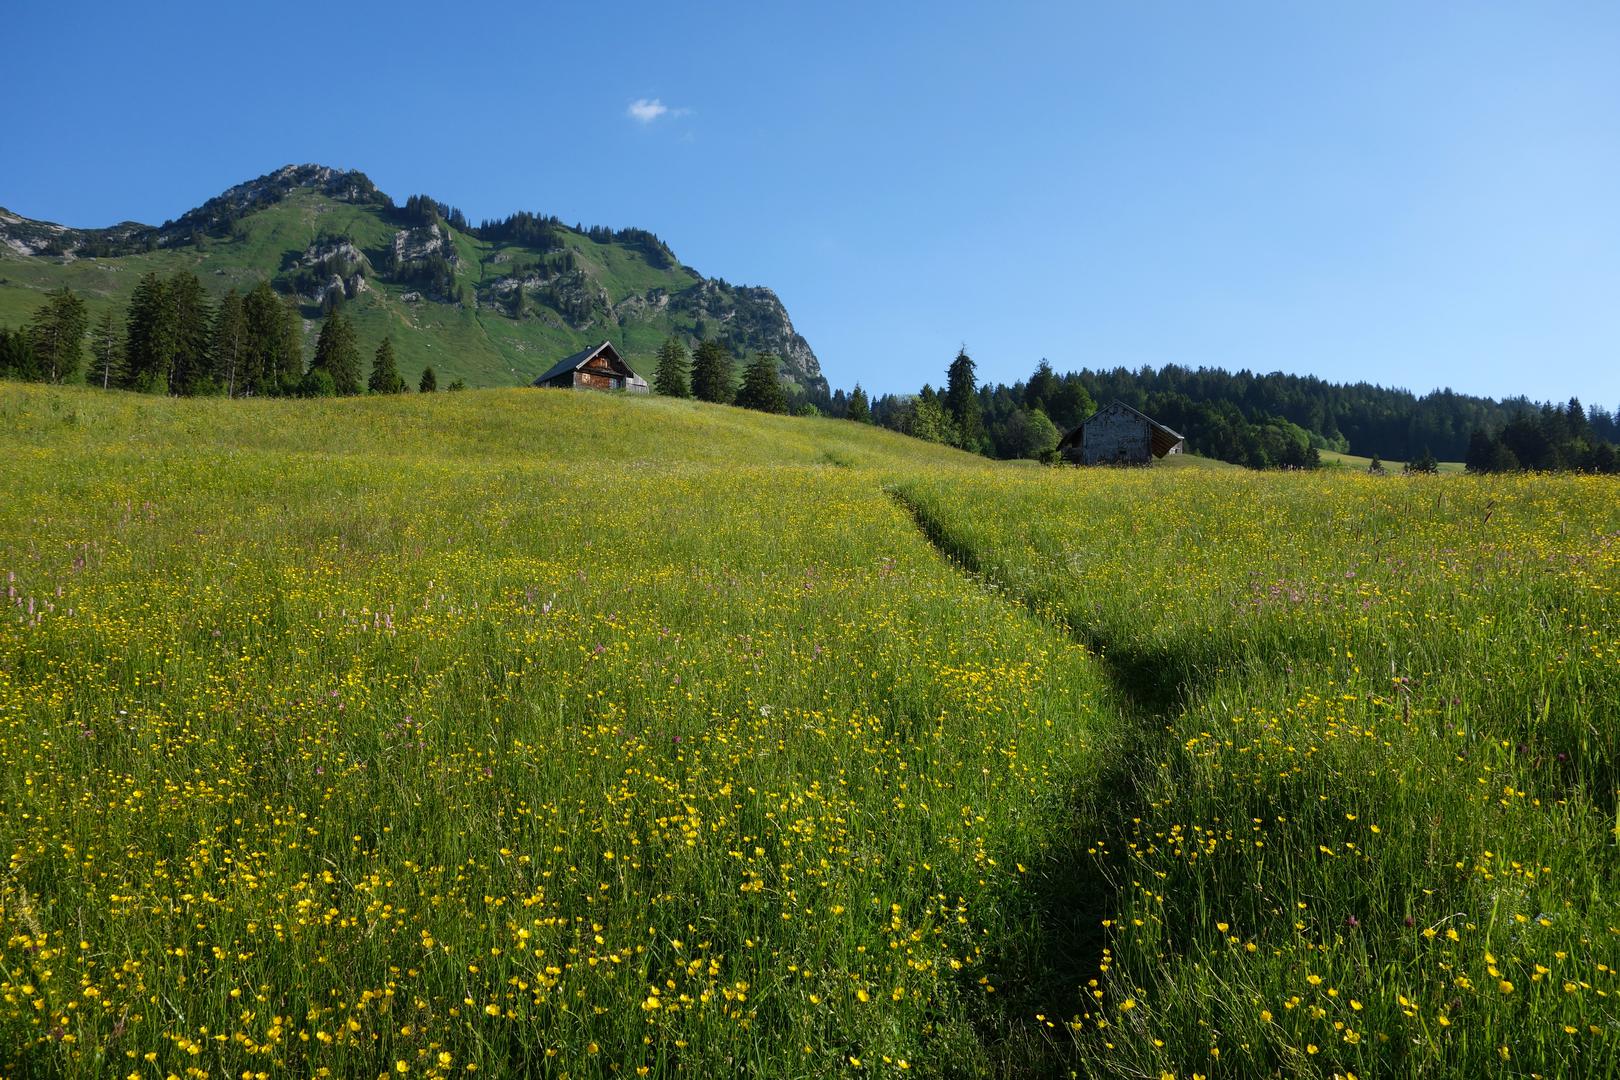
x,y
175,340
421,210
1548,438
708,376
1258,421
1357,418
541,232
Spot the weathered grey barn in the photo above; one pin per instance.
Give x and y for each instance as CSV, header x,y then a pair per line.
x,y
598,368
1119,435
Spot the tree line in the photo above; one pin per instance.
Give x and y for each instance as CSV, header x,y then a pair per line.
x,y
1548,438
1258,421
708,374
175,340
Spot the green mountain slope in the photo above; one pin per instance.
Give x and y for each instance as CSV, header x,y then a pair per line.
x,y
495,304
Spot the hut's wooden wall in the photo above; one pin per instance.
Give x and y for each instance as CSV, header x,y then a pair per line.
x,y
1115,436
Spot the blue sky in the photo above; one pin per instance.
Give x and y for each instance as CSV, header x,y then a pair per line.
x,y
1418,195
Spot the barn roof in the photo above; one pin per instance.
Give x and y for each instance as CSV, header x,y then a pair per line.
x,y
579,360
1163,439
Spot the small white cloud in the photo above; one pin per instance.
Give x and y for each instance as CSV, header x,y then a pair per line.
x,y
646,110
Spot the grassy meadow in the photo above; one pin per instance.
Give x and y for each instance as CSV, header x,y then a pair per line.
x,y
528,733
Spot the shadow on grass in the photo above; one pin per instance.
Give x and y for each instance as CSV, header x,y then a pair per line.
x,y
1064,899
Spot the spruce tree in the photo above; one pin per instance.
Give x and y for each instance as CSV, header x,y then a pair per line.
x,y
711,373
385,371
671,379
289,353
149,337
962,403
338,355
859,410
761,389
17,359
229,343
430,381
106,351
57,335
262,318
190,370
1042,387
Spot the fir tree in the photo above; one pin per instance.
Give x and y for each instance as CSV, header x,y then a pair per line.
x,y
761,389
385,371
859,410
273,360
57,335
107,351
289,347
430,381
190,370
962,402
458,384
711,373
338,355
17,359
1042,387
1375,466
149,337
674,368
229,344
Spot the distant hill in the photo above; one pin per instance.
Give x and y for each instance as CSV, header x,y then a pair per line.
x,y
494,303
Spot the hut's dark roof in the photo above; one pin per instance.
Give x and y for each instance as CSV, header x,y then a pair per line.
x,y
1164,439
577,361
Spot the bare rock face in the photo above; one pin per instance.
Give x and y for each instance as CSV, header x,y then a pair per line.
x,y
644,306
414,245
332,266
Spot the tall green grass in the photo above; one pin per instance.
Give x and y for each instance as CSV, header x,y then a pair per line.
x,y
1372,825
541,733
520,732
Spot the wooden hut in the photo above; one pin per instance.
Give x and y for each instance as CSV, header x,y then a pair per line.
x,y
596,368
1119,435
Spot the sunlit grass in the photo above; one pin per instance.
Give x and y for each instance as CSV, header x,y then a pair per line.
x,y
1374,829
536,732
500,732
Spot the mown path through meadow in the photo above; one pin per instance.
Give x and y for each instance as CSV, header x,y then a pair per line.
x,y
1076,887
1360,817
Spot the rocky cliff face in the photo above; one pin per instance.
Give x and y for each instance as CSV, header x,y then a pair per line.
x,y
751,319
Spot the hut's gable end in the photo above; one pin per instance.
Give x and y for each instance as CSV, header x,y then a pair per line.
x,y
600,368
1119,435
1116,436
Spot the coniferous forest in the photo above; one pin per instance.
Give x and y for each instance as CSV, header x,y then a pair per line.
x,y
1258,421
175,340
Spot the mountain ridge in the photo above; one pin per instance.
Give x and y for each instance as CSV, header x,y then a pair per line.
x,y
491,303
